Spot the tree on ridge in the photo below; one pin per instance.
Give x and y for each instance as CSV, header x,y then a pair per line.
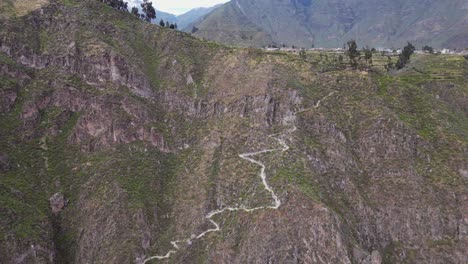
x,y
148,10
353,53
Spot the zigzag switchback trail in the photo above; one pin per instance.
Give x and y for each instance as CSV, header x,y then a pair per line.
x,y
288,121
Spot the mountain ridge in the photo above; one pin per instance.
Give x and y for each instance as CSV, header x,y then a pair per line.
x,y
183,20
377,23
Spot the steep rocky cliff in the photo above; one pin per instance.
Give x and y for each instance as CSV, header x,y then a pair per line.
x,y
118,137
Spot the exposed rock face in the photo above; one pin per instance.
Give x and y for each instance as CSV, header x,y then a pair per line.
x,y
100,127
142,128
269,243
58,202
35,254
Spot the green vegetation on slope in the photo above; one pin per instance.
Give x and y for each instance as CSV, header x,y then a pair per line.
x,y
210,103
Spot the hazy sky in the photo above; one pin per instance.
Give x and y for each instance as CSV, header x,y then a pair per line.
x,y
178,7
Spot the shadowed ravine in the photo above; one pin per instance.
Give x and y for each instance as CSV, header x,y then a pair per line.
x,y
287,121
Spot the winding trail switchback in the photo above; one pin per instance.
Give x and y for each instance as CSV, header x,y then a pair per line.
x,y
289,121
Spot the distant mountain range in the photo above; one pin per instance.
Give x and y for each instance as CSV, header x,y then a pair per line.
x,y
326,23
194,16
164,16
184,20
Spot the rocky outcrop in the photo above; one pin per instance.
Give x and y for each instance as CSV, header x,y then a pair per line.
x,y
102,121
108,122
316,237
58,202
96,63
35,254
378,165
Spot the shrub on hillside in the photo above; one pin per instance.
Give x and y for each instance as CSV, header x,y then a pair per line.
x,y
353,53
428,49
404,57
